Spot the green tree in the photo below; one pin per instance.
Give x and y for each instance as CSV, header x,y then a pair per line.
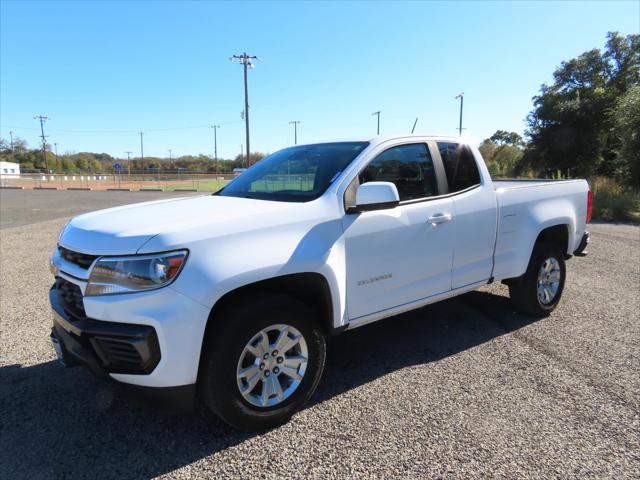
x,y
502,152
572,125
627,131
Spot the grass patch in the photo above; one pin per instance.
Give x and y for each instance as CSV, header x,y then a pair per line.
x,y
613,202
202,186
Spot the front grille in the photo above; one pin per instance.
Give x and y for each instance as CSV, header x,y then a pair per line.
x,y
81,259
71,296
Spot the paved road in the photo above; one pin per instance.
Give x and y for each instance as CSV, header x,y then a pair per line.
x,y
22,207
464,388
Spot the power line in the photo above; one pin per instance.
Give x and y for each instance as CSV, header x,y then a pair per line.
x,y
378,114
43,119
295,130
247,62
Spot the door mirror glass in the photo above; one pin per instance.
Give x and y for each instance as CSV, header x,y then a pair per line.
x,y
376,196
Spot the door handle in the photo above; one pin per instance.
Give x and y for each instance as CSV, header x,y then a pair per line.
x,y
439,218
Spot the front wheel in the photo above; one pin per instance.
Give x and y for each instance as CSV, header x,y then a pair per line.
x,y
539,290
263,362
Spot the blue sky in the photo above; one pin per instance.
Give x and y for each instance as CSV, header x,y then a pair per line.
x,y
103,71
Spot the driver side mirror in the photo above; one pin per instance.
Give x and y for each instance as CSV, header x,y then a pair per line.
x,y
376,196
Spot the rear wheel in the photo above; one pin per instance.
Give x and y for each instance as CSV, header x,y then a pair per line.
x,y
539,290
263,362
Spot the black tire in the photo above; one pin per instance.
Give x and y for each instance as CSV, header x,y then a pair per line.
x,y
524,290
235,326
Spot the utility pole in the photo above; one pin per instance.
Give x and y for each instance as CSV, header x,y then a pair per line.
x,y
215,144
378,114
247,62
43,119
11,135
170,159
461,97
129,161
295,130
242,153
141,146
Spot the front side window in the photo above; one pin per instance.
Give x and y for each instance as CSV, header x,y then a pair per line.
x,y
409,167
295,174
459,165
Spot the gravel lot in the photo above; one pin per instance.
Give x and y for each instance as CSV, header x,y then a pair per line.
x,y
464,388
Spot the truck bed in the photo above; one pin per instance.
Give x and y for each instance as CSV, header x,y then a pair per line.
x,y
523,206
517,183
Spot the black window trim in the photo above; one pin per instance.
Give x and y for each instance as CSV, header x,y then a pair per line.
x,y
441,176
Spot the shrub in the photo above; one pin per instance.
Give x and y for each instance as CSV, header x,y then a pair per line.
x,y
613,202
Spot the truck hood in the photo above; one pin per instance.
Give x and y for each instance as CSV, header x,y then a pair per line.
x,y
124,230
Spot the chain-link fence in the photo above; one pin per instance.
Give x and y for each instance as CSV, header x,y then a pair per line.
x,y
169,182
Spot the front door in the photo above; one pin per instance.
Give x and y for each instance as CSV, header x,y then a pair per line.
x,y
404,254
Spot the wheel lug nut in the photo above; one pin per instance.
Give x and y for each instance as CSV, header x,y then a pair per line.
x,y
276,370
280,360
274,353
262,366
267,373
265,356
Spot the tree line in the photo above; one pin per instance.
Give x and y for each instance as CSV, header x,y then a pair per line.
x,y
585,124
33,160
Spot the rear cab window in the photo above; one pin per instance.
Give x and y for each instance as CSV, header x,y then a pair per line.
x,y
460,166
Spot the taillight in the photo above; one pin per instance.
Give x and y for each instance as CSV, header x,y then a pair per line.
x,y
589,205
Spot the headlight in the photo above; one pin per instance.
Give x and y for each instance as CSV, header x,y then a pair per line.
x,y
134,274
64,227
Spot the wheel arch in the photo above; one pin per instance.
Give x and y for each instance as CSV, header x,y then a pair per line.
x,y
558,234
310,288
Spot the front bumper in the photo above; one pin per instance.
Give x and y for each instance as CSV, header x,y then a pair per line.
x,y
154,355
104,347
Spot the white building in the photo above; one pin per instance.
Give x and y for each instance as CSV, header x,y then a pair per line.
x,y
9,170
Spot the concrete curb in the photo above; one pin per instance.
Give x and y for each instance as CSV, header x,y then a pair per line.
x,y
12,188
46,188
79,188
185,190
118,189
151,190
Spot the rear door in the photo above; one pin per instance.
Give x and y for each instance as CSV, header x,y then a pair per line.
x,y
400,255
475,209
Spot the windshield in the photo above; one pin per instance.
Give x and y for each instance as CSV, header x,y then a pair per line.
x,y
295,174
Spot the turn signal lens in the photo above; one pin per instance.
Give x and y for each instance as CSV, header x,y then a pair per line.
x,y
589,205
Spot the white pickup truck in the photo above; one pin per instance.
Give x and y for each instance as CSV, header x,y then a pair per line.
x,y
229,297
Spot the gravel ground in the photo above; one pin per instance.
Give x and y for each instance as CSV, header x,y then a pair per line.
x,y
464,388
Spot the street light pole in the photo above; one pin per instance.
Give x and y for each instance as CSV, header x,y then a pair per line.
x,y
295,130
11,135
141,146
215,144
378,115
129,161
55,146
461,97
247,62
